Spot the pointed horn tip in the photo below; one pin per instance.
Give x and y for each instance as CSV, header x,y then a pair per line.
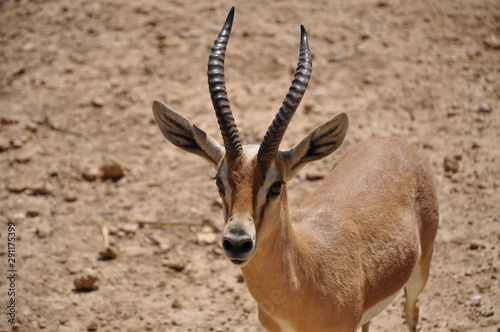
x,y
303,37
230,17
228,23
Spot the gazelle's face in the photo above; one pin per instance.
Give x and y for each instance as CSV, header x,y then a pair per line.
x,y
251,194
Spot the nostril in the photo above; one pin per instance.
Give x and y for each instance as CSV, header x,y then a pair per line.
x,y
227,245
246,247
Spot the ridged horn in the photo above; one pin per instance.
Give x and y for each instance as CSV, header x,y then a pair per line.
x,y
218,93
270,144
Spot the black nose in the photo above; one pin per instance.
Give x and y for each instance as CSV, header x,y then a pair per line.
x,y
237,246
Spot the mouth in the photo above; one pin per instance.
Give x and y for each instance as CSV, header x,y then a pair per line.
x,y
238,261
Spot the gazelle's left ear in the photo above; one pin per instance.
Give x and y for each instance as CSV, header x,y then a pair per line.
x,y
184,134
320,142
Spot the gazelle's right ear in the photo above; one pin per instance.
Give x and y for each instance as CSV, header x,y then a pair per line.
x,y
183,133
320,142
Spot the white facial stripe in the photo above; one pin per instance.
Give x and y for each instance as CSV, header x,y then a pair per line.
x,y
228,190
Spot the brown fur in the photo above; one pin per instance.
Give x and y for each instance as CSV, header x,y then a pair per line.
x,y
353,242
362,236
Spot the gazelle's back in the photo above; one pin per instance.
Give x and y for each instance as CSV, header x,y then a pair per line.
x,y
377,180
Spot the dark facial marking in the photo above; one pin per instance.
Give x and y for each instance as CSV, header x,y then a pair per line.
x,y
220,185
275,189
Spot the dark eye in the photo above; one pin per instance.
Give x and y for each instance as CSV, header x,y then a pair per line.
x,y
220,186
275,189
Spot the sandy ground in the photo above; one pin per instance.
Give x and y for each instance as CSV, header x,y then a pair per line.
x,y
77,79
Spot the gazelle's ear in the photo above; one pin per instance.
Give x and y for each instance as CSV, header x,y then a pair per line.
x,y
320,142
183,133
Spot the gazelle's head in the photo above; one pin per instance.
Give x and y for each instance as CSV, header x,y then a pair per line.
x,y
251,179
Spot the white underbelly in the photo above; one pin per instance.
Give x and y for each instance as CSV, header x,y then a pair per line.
x,y
284,325
367,316
376,309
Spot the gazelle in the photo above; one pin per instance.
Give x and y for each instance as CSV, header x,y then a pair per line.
x,y
366,233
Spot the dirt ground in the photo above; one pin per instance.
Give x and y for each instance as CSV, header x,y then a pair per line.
x,y
77,79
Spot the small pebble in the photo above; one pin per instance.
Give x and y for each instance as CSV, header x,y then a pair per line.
x,y
484,108
364,36
16,143
86,283
32,213
90,174
476,298
129,228
22,159
92,326
451,113
42,232
8,121
112,170
28,47
108,253
218,251
492,42
16,187
475,245
482,185
97,102
18,71
176,304
39,189
176,265
70,197
4,144
486,312
31,126
450,164
42,323
206,238
368,79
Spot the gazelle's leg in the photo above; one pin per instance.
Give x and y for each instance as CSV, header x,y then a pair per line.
x,y
413,288
365,327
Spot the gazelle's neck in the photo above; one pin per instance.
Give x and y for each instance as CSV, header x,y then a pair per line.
x,y
276,256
